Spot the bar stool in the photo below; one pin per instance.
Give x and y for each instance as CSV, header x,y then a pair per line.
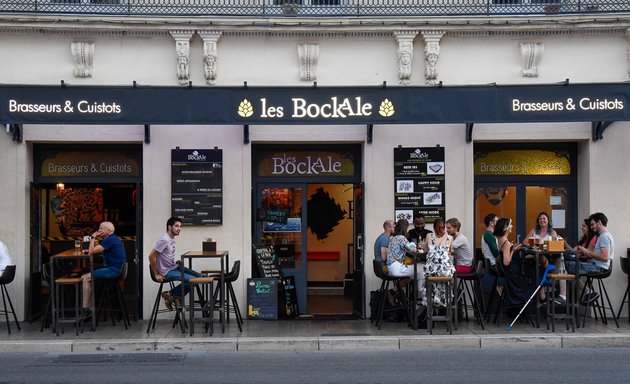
x,y
386,280
447,281
570,305
46,319
7,277
492,271
206,303
179,315
61,285
111,299
625,267
603,294
469,284
229,278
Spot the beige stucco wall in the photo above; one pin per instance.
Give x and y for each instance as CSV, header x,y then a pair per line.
x,y
361,59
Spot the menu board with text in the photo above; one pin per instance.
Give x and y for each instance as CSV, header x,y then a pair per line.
x,y
419,184
197,186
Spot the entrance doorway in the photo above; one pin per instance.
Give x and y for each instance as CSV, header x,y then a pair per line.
x,y
76,188
316,243
520,183
313,222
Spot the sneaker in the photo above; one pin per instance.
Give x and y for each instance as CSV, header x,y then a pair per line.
x,y
168,300
86,315
590,297
559,300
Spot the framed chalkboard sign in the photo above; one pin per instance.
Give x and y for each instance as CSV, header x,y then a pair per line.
x,y
267,262
289,297
262,299
197,186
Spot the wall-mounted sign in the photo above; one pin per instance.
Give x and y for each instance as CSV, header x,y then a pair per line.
x,y
314,105
419,183
197,186
85,163
522,162
306,163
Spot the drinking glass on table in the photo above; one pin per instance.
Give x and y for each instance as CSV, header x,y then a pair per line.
x,y
77,247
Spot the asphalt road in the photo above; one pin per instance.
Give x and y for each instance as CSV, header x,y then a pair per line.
x,y
415,366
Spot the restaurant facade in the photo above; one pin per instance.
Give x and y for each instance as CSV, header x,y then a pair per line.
x,y
308,135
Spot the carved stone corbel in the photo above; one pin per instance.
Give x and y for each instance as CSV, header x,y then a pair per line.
x,y
405,55
531,54
210,55
83,57
182,51
431,55
308,55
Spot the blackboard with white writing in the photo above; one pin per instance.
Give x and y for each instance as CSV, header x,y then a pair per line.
x,y
197,186
289,297
262,299
267,262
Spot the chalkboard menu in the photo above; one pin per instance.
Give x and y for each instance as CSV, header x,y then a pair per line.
x,y
267,262
197,186
262,299
419,185
289,294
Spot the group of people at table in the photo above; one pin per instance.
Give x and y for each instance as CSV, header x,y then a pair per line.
x,y
448,250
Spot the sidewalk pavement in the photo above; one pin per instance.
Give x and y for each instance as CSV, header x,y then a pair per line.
x,y
309,335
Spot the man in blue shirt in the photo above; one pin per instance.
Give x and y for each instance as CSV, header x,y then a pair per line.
x,y
114,257
382,242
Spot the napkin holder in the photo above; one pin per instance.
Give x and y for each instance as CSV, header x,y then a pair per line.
x,y
555,246
209,246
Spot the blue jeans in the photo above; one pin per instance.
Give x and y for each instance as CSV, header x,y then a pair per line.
x,y
106,273
590,267
176,275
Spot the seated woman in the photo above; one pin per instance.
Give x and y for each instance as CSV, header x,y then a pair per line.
x,y
543,231
396,252
439,247
519,280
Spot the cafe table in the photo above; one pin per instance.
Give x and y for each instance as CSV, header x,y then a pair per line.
x,y
224,258
417,257
71,254
551,256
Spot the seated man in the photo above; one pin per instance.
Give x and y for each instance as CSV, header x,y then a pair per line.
x,y
113,257
600,256
165,267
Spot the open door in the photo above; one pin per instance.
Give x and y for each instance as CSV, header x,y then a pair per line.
x,y
358,306
34,297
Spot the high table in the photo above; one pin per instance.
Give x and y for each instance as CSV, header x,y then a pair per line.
x,y
418,257
225,260
551,257
71,254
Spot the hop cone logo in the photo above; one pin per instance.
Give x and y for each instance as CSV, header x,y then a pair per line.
x,y
245,108
386,109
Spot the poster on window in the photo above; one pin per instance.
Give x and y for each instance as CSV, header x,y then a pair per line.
x,y
419,186
197,186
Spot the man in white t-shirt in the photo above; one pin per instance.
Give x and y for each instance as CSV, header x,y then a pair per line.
x,y
165,267
601,255
5,258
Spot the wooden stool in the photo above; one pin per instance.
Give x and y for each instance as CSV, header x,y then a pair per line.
x,y
206,303
448,317
569,315
60,299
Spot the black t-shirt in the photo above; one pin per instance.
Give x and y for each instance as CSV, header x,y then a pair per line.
x,y
418,234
